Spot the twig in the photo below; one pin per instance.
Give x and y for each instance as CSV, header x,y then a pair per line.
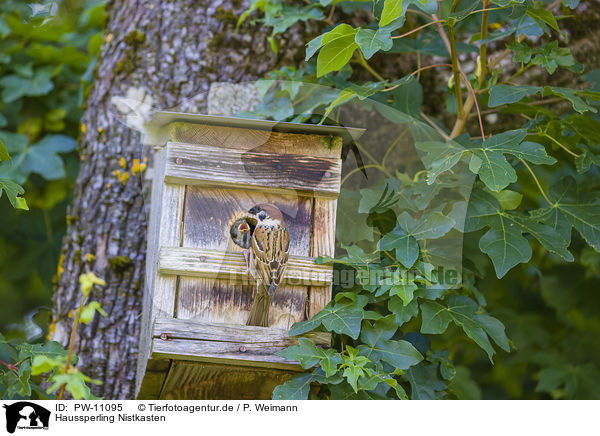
x,y
545,135
417,29
61,391
483,47
476,103
365,64
455,71
537,182
435,127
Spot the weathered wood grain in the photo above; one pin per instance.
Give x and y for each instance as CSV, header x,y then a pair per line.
x,y
322,243
198,331
231,267
216,300
225,353
198,164
210,211
171,213
209,381
261,141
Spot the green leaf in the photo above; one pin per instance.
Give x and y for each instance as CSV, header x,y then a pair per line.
x,y
508,199
570,94
13,192
371,41
541,14
403,239
463,386
296,388
75,384
4,153
16,87
491,164
585,160
330,362
400,354
392,9
440,157
403,313
305,352
506,94
404,290
464,313
338,46
88,311
504,242
424,381
341,318
51,349
571,210
312,46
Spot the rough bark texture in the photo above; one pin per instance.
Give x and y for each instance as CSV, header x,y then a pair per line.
x,y
173,50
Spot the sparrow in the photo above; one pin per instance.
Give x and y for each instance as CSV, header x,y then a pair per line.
x,y
241,234
269,252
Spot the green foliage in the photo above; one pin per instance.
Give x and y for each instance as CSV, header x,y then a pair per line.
x,y
24,366
474,245
47,52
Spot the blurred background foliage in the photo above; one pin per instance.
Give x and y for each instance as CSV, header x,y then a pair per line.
x,y
47,58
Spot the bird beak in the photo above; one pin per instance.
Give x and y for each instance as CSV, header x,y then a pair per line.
x,y
244,227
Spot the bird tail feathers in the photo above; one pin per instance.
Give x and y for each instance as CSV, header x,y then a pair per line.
x,y
259,313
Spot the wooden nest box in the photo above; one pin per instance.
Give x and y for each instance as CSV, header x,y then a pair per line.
x,y
195,343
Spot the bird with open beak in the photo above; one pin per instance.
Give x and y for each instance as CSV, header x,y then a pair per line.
x,y
241,234
263,232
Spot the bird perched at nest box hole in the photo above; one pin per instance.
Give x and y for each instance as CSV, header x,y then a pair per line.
x,y
263,233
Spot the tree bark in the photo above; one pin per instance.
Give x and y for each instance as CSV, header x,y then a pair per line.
x,y
173,50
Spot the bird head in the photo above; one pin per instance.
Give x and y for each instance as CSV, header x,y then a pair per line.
x,y
265,211
241,232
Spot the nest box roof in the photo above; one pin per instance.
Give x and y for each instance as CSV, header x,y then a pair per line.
x,y
161,119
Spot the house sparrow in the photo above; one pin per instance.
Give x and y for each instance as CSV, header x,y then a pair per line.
x,y
241,234
270,243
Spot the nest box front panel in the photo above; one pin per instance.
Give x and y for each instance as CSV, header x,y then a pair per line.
x,y
208,215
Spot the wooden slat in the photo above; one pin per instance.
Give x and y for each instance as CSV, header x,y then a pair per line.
x,y
225,353
261,141
170,235
227,344
197,262
322,244
198,164
217,332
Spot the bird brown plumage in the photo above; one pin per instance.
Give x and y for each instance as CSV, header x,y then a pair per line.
x,y
268,259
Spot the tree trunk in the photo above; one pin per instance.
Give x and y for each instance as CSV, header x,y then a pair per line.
x,y
173,50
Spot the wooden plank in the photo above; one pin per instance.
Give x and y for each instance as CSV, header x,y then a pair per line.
x,y
262,141
199,164
322,244
226,344
153,239
207,381
209,214
170,235
224,353
231,267
216,332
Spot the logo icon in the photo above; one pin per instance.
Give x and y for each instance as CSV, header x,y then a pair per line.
x,y
26,415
